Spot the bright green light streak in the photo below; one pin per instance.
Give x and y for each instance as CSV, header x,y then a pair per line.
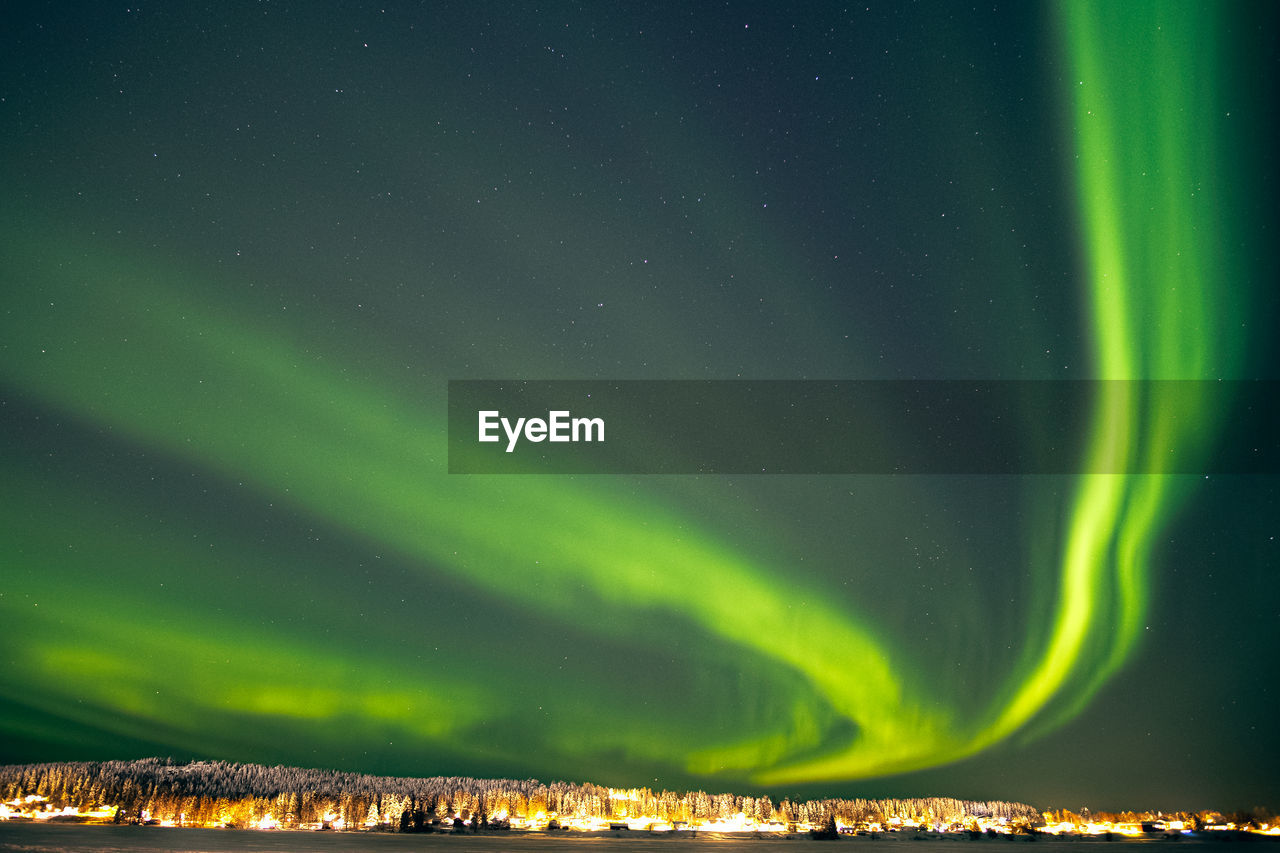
x,y
176,375
142,662
1158,290
1141,85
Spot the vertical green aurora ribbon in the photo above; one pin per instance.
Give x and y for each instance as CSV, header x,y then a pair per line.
x,y
1155,186
1154,190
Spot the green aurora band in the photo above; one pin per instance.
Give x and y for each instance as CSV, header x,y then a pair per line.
x,y
166,370
1155,291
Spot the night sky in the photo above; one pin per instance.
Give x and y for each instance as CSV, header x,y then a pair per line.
x,y
245,247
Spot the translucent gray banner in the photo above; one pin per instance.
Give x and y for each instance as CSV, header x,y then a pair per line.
x,y
863,427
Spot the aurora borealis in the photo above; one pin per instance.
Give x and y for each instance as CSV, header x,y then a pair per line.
x,y
246,248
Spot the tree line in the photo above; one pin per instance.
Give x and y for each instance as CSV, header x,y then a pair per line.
x,y
203,793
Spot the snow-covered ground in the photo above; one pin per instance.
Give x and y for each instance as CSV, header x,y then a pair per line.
x,y
54,838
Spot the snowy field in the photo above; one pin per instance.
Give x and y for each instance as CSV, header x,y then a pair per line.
x,y
46,838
